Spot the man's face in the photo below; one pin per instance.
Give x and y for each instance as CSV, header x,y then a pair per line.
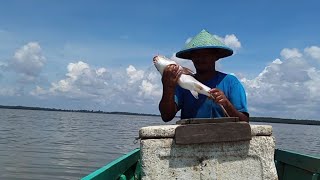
x,y
203,61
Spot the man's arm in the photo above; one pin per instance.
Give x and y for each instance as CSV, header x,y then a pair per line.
x,y
167,105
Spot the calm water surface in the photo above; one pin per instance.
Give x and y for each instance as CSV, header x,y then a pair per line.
x,y
69,145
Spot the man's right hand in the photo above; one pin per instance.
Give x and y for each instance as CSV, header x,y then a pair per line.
x,y
167,105
171,75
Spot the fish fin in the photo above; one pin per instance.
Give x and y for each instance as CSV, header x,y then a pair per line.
x,y
195,94
187,71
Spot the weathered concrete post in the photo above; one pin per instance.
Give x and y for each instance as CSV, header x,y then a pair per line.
x,y
164,155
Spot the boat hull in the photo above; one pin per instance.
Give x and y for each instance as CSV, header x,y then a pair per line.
x,y
289,165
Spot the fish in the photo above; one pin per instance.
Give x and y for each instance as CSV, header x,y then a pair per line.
x,y
186,80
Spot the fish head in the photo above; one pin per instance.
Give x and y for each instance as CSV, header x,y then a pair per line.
x,y
161,63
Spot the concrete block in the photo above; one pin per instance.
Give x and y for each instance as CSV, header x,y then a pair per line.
x,y
165,131
261,130
161,158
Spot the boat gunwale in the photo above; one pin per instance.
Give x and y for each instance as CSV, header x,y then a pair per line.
x,y
128,160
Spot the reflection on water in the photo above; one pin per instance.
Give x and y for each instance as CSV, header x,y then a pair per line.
x,y
69,145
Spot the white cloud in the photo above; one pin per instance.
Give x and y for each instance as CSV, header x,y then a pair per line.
x,y
134,75
285,88
290,53
128,86
28,62
82,81
313,51
142,87
230,40
148,89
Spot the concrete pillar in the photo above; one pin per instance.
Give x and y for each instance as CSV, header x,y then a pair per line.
x,y
162,158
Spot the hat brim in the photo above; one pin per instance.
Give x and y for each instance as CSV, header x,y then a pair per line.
x,y
219,51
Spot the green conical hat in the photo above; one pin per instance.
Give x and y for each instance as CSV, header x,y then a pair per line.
x,y
205,41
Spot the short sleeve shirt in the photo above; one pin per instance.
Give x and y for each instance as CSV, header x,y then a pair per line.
x,y
203,107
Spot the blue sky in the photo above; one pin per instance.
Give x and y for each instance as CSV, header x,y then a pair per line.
x,y
97,54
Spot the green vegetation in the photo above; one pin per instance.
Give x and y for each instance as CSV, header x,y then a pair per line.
x,y
252,119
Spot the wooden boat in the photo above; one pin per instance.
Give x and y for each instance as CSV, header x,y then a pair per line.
x,y
289,165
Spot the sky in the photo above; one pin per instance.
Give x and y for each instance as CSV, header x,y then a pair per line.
x,y
97,55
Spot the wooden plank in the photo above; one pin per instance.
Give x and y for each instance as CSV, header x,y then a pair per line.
x,y
207,120
116,168
212,132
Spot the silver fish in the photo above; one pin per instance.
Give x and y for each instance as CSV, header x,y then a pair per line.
x,y
186,81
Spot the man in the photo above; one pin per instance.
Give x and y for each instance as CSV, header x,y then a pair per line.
x,y
204,49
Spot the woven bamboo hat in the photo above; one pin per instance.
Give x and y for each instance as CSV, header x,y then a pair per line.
x,y
204,41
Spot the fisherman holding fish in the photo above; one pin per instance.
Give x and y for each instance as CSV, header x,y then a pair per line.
x,y
206,94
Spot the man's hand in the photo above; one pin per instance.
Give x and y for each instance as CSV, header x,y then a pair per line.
x,y
167,106
219,97
171,75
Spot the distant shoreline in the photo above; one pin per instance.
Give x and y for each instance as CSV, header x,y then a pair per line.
x,y
284,121
252,119
68,110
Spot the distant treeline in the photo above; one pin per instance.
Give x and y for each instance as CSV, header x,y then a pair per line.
x,y
68,110
252,119
285,121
